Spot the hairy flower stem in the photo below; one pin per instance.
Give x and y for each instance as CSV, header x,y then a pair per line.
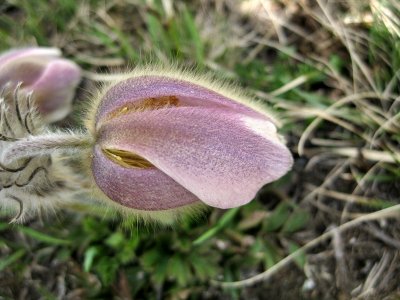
x,y
46,144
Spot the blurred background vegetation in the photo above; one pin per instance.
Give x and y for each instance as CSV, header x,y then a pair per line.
x,y
331,69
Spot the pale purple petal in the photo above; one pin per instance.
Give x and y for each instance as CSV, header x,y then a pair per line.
x,y
29,52
25,70
52,79
142,189
220,155
189,94
56,86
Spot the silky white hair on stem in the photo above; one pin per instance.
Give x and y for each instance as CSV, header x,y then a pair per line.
x,y
33,178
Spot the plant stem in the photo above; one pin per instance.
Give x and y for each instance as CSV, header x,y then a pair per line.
x,y
46,144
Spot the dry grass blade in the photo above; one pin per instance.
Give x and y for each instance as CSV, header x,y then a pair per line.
x,y
372,155
350,141
388,14
391,212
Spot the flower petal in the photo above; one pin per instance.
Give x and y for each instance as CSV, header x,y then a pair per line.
x,y
135,89
25,69
220,155
41,70
29,52
55,88
143,189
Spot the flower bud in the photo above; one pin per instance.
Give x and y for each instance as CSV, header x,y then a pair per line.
x,y
165,141
52,79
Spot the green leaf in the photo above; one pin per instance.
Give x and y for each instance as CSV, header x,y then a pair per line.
x,y
222,223
42,237
157,33
296,221
272,255
232,292
179,270
127,49
194,35
107,269
299,259
278,217
90,254
127,251
4,226
252,220
101,33
115,240
64,254
160,271
202,267
4,263
227,217
336,62
150,258
314,99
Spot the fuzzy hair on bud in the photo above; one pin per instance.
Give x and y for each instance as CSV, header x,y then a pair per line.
x,y
36,182
168,142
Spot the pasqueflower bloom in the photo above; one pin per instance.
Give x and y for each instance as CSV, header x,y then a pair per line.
x,y
159,144
165,141
52,79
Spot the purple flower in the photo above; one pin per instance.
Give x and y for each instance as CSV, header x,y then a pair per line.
x,y
42,70
166,142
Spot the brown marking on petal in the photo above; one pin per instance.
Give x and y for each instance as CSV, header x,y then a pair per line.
x,y
127,159
145,104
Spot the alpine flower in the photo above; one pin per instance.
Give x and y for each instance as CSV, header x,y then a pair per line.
x,y
157,145
44,72
167,141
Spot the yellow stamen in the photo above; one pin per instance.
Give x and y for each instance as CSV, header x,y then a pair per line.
x,y
127,159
